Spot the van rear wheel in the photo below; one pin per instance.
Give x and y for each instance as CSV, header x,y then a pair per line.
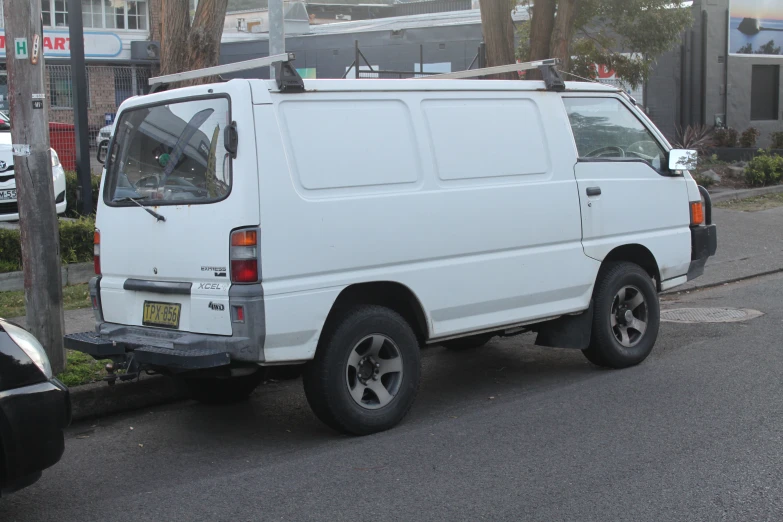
x,y
626,318
222,390
365,374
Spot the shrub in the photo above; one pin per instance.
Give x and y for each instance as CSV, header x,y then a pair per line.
x,y
704,181
726,138
72,192
764,169
777,140
76,244
749,138
695,137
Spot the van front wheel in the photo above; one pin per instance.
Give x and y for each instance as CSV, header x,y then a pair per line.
x,y
365,374
626,317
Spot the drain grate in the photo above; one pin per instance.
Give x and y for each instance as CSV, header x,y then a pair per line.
x,y
708,315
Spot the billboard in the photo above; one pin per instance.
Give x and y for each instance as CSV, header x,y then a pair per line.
x,y
756,27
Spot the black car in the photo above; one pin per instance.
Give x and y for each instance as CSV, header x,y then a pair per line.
x,y
35,408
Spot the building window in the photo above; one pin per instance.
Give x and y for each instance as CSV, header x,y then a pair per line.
x,y
92,13
765,92
97,14
137,15
46,12
61,13
61,87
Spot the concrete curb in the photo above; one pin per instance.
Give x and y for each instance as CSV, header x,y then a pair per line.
x,y
73,274
737,195
99,399
707,286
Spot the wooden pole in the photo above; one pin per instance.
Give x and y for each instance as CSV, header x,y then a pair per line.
x,y
33,172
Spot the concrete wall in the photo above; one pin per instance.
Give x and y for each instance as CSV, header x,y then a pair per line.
x,y
332,54
664,94
728,79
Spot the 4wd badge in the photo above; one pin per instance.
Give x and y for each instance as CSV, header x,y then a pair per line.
x,y
216,306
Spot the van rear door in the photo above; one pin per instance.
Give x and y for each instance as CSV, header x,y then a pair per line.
x,y
171,197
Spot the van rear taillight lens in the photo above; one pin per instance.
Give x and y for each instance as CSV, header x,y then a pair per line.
x,y
244,256
97,252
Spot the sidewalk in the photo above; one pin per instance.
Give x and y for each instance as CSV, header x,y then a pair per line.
x,y
749,244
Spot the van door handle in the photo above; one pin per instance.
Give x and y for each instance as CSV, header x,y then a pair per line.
x,y
593,191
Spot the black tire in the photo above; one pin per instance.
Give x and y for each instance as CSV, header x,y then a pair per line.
x,y
608,347
326,378
222,390
468,343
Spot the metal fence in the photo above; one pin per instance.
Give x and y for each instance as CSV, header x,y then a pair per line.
x,y
431,6
107,88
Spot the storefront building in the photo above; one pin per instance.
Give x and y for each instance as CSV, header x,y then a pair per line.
x,y
120,51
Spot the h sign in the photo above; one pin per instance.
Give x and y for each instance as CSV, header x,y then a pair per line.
x,y
20,48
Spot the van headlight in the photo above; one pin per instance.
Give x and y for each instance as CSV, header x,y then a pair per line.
x,y
55,159
29,345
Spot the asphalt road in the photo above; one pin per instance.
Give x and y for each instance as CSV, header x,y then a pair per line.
x,y
509,432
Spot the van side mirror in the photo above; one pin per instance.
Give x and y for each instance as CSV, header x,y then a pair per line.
x,y
103,150
683,160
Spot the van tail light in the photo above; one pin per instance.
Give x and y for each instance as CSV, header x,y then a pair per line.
x,y
697,213
97,252
244,256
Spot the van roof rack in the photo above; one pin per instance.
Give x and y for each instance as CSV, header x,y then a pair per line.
x,y
548,68
288,80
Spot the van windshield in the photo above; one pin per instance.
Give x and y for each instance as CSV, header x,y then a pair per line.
x,y
170,153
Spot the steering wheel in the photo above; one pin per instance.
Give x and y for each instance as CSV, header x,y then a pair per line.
x,y
602,152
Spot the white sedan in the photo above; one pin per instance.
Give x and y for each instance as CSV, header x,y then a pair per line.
x,y
9,210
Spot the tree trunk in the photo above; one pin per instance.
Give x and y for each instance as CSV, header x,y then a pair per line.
x,y
32,159
563,31
542,23
204,40
498,29
175,25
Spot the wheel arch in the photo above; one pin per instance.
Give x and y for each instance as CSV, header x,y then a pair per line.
x,y
637,254
391,294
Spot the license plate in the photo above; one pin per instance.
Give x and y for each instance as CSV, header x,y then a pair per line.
x,y
165,315
8,194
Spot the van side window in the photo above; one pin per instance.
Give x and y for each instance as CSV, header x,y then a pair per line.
x,y
604,129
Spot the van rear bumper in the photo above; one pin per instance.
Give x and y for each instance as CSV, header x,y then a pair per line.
x,y
174,350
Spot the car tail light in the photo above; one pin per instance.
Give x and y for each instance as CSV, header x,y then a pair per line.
x,y
97,252
244,256
239,314
697,213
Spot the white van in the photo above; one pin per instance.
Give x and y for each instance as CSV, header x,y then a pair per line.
x,y
341,225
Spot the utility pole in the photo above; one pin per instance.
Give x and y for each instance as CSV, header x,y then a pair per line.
x,y
276,31
79,79
33,171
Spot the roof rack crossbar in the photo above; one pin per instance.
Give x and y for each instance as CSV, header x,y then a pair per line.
x,y
554,81
222,69
500,69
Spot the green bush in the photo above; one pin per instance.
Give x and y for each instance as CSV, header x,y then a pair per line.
x,y
72,192
777,140
749,138
764,170
725,138
76,244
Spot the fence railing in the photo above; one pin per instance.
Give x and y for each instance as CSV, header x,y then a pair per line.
x,y
107,88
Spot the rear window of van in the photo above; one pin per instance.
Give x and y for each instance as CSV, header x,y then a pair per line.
x,y
170,154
